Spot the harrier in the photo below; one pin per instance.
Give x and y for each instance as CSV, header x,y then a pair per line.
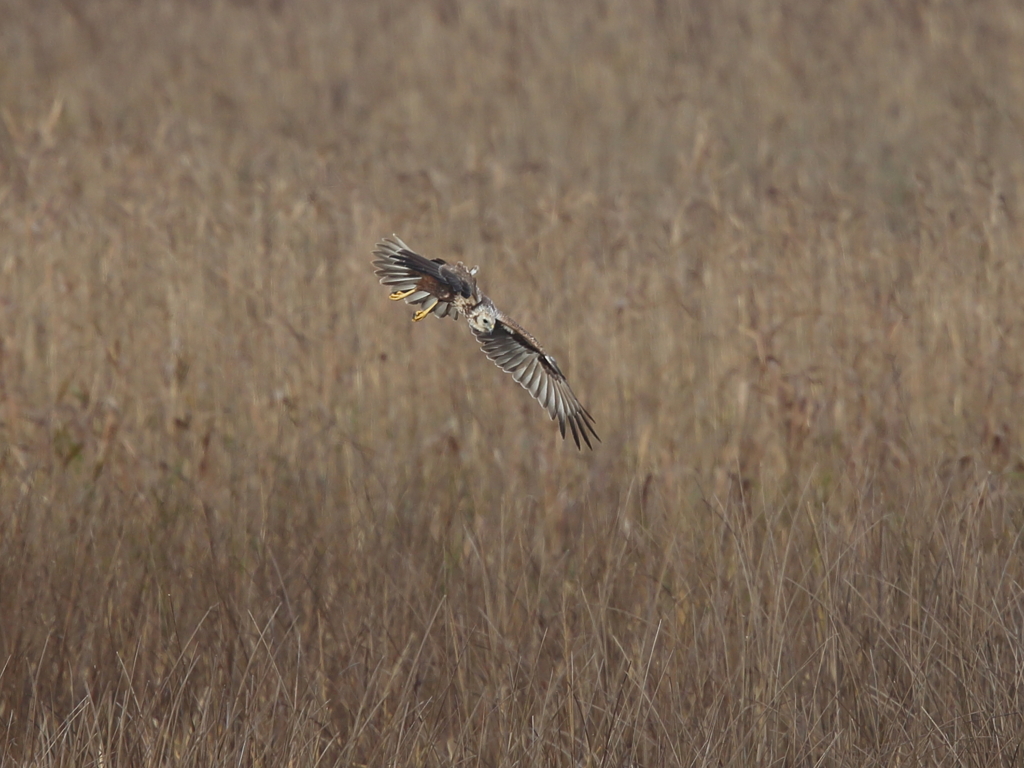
x,y
450,290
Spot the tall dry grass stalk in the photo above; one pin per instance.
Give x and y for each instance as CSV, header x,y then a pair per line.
x,y
253,516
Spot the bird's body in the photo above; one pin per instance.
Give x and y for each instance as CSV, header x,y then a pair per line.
x,y
451,290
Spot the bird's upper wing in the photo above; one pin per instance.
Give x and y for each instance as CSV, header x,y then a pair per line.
x,y
515,351
422,280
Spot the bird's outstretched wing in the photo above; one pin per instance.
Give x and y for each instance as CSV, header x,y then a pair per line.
x,y
441,288
515,351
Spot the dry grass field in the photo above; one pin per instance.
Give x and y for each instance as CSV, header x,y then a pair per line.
x,y
250,515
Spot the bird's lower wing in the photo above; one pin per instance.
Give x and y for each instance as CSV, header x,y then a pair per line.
x,y
540,375
415,279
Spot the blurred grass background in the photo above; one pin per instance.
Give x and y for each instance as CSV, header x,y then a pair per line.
x,y
251,515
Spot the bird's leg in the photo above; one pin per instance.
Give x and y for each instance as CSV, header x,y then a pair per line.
x,y
399,295
423,313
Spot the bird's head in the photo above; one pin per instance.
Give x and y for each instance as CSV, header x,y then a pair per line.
x,y
483,317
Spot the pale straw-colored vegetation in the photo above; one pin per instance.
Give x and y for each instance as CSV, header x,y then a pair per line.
x,y
251,515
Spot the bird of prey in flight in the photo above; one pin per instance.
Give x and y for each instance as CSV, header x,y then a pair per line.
x,y
450,290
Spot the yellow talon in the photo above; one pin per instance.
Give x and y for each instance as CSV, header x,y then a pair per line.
x,y
422,313
399,295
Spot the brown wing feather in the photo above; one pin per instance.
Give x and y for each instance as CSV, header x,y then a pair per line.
x,y
428,281
516,352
